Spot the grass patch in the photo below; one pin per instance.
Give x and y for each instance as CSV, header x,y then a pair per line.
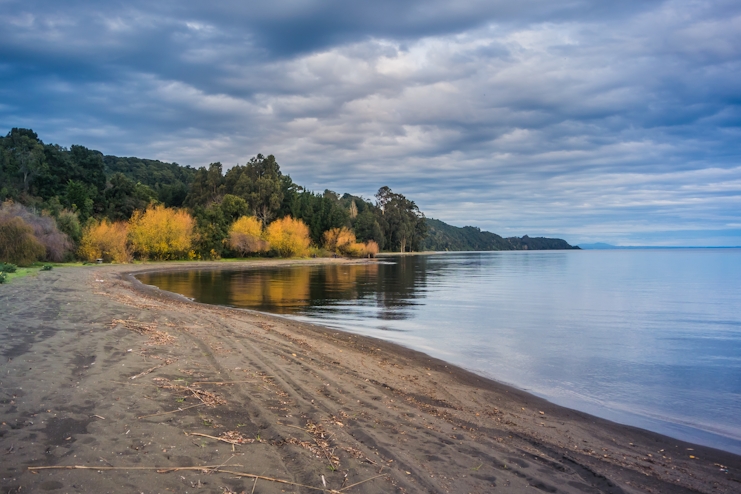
x,y
36,267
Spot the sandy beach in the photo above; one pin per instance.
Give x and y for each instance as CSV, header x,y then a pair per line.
x,y
149,392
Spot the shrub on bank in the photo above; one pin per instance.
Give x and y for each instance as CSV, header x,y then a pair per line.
x,y
288,237
18,245
105,240
161,233
245,236
8,267
342,241
370,249
44,228
339,240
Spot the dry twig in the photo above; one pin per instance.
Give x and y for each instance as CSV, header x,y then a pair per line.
x,y
155,337
149,371
321,447
209,399
203,468
171,411
220,382
231,437
361,482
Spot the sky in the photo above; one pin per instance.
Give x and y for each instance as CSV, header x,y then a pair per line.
x,y
591,121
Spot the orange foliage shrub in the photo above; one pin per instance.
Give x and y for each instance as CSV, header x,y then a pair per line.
x,y
370,248
161,233
339,240
289,237
105,240
245,236
342,241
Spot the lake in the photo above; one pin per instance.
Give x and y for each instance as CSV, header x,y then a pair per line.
x,y
650,338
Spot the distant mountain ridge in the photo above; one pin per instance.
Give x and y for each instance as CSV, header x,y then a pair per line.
x,y
442,237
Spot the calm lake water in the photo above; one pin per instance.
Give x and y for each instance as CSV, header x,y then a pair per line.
x,y
650,338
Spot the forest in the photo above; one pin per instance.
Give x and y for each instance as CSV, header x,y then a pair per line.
x,y
62,204
442,237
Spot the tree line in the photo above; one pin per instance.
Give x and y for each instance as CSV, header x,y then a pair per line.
x,y
61,204
442,237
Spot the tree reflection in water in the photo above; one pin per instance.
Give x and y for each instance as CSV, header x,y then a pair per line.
x,y
386,289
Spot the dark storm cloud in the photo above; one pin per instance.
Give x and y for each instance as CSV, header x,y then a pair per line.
x,y
586,119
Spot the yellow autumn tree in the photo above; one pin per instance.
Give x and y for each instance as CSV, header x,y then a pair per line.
x,y
105,240
161,233
245,236
339,240
288,236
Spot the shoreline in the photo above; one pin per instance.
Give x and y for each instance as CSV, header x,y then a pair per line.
x,y
299,397
704,434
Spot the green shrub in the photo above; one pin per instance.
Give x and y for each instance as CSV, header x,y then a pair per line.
x,y
8,268
47,267
3,278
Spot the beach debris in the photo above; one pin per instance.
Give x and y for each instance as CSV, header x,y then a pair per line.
x,y
231,437
152,369
321,447
204,469
206,397
170,411
155,336
220,383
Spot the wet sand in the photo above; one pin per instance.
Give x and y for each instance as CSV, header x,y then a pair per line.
x,y
102,372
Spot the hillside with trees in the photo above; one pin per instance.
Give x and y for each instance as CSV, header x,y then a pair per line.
x,y
63,204
444,237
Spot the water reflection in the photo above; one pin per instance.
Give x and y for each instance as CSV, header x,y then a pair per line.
x,y
648,338
390,289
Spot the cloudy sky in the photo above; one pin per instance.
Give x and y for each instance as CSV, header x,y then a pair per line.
x,y
588,120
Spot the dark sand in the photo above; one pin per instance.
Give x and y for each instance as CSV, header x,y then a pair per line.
x,y
308,403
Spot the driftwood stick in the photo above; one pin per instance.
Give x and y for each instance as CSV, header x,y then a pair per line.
x,y
361,482
171,411
213,437
151,370
227,461
159,469
221,382
293,426
271,479
203,468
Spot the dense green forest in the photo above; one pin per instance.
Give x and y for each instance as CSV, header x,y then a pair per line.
x,y
441,237
57,195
